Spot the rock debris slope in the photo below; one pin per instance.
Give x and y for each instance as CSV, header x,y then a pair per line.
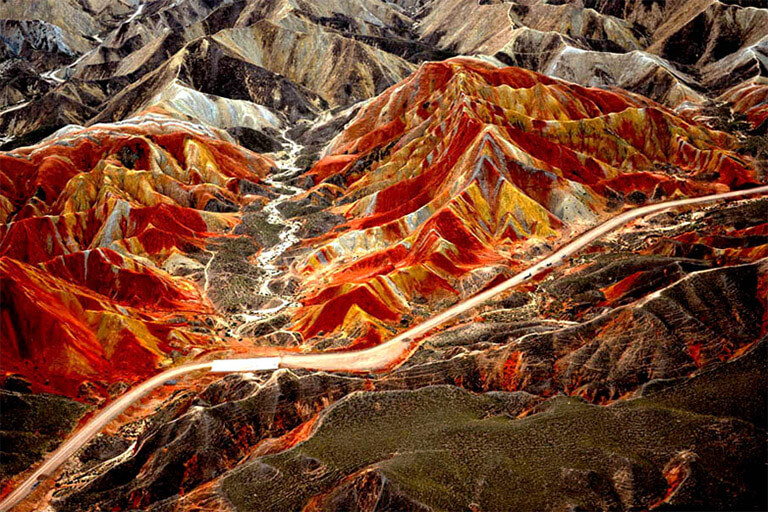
x,y
188,180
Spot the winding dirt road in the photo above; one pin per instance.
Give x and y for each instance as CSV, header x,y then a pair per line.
x,y
382,357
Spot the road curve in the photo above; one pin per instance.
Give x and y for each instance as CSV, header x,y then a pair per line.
x,y
391,352
93,427
382,357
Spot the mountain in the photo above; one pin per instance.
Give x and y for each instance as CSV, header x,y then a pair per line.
x,y
492,161
86,256
669,51
185,181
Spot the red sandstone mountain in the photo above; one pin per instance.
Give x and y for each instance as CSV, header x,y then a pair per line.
x,y
315,175
93,218
493,162
459,170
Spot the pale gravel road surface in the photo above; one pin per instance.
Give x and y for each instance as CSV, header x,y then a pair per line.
x,y
381,357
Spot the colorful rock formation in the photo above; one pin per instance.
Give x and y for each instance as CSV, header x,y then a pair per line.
x,y
463,167
90,218
190,180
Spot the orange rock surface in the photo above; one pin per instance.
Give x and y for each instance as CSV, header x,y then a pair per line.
x,y
89,217
463,166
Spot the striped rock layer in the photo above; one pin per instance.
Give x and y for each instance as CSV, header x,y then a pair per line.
x,y
456,173
89,218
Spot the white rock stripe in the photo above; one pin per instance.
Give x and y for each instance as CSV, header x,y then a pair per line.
x,y
383,356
